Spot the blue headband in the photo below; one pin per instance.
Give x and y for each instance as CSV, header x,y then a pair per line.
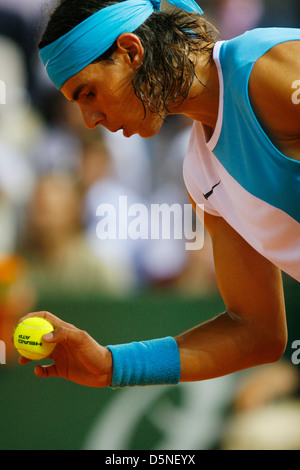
x,y
86,42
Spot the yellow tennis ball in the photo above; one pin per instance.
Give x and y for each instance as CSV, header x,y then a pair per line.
x,y
28,338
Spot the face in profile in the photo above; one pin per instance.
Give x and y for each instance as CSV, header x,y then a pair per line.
x,y
105,94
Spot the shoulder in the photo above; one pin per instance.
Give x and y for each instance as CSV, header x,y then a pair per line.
x,y
272,87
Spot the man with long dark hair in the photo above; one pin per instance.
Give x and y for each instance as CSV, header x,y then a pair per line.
x,y
128,65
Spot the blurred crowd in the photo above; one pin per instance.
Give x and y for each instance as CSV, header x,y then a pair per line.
x,y
54,173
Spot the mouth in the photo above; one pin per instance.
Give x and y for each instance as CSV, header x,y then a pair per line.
x,y
122,128
125,132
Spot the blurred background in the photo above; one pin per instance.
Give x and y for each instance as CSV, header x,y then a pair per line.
x,y
54,173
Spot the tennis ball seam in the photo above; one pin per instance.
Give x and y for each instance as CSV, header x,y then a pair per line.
x,y
37,327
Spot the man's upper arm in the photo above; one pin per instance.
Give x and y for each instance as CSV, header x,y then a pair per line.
x,y
274,91
250,285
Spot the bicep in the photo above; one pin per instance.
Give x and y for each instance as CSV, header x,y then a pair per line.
x,y
250,285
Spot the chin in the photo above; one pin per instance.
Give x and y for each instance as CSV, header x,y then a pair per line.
x,y
151,130
147,134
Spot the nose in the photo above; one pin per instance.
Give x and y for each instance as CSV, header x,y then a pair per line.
x,y
92,118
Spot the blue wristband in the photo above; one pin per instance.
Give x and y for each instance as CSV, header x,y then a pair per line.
x,y
151,362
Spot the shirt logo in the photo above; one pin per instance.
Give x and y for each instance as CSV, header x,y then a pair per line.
x,y
211,191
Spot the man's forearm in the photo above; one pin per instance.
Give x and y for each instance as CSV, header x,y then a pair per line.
x,y
224,345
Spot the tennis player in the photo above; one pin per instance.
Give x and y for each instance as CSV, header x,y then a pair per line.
x,y
128,65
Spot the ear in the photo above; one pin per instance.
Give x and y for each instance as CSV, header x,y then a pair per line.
x,y
130,46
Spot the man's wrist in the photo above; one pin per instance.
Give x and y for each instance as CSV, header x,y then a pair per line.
x,y
109,367
153,362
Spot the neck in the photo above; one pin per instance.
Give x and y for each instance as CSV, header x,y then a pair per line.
x,y
202,104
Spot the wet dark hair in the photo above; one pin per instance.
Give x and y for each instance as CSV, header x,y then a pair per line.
x,y
168,38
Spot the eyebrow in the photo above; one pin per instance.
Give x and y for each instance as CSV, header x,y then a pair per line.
x,y
77,91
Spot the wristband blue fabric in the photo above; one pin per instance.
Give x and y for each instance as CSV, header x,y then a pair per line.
x,y
153,362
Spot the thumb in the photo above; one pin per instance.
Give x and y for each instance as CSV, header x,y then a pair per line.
x,y
56,336
62,334
49,337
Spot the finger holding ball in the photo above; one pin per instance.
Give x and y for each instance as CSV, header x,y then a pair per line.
x,y
28,338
